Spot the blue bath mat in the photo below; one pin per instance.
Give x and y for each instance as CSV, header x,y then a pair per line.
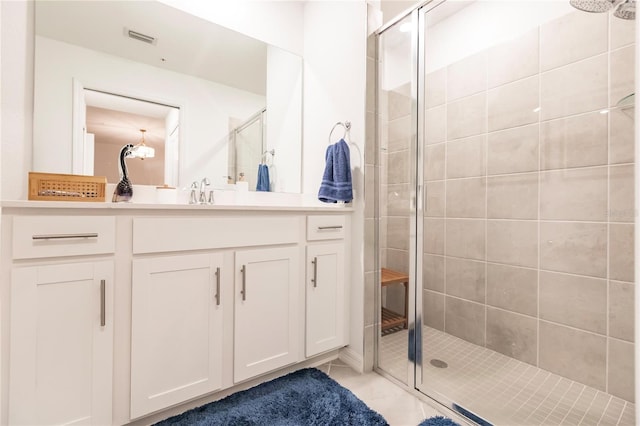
x,y
305,397
438,421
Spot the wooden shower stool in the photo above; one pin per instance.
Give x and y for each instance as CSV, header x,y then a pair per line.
x,y
391,319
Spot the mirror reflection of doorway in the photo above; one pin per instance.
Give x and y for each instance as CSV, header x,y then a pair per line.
x,y
112,121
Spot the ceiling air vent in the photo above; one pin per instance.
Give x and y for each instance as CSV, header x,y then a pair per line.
x,y
139,36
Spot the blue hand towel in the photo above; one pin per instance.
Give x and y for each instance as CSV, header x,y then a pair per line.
x,y
336,181
263,178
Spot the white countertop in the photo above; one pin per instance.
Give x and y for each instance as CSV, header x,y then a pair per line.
x,y
149,206
250,201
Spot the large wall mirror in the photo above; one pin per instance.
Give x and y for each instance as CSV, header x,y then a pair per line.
x,y
214,103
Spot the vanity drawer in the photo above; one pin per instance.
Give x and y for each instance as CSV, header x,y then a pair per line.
x,y
327,227
180,234
53,236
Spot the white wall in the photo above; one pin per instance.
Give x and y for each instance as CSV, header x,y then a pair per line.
x,y
284,120
489,22
637,231
205,106
486,24
2,374
16,50
334,90
275,22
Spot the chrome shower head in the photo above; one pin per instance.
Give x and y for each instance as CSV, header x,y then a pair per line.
x,y
626,10
593,6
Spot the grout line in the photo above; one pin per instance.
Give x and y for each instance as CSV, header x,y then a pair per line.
x,y
624,407
574,403
560,399
546,398
586,411
604,410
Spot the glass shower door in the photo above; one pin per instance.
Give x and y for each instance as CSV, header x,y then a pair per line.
x,y
527,229
397,219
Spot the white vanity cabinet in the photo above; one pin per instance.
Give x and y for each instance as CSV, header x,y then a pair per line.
x,y
119,313
176,330
325,284
266,317
61,327
177,340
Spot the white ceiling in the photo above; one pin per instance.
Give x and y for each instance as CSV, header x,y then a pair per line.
x,y
185,43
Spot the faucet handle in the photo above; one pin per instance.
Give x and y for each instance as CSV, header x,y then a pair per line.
x,y
210,200
192,197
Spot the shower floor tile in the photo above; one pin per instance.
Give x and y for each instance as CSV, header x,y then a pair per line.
x,y
500,389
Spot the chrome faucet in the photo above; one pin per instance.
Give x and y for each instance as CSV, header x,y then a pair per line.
x,y
203,195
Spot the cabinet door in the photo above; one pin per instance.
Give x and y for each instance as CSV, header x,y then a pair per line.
x,y
266,319
176,330
61,344
325,298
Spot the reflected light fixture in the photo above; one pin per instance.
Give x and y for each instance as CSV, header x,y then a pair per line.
x,y
141,150
124,188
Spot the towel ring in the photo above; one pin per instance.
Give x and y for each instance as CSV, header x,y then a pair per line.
x,y
346,125
264,155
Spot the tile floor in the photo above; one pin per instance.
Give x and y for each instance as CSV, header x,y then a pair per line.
x,y
500,389
396,405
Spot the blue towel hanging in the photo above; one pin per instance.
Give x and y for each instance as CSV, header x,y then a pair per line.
x,y
336,182
263,178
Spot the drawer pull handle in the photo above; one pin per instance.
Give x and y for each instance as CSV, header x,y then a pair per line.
x,y
244,282
314,280
64,236
103,310
322,228
218,286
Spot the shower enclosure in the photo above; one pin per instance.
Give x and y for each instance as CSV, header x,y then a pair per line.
x,y
247,147
505,169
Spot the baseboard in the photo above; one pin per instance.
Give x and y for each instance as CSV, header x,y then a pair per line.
x,y
352,358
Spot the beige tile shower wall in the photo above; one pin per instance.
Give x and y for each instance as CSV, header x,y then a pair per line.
x,y
528,245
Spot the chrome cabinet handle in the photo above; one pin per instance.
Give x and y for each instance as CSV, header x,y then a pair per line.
x,y
64,236
103,310
218,286
314,280
321,228
244,282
